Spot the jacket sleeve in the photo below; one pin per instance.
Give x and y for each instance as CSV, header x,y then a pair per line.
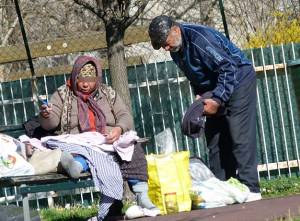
x,y
196,89
218,61
123,117
53,121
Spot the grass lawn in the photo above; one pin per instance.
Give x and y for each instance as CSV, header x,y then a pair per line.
x,y
273,188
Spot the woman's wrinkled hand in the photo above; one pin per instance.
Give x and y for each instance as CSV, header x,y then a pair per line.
x,y
113,135
45,110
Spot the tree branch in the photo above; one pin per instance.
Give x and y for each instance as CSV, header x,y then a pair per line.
x,y
129,20
211,6
89,7
9,32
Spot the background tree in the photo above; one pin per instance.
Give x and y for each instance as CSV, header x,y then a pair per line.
x,y
246,18
285,29
117,16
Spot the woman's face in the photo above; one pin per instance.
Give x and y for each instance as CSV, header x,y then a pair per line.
x,y
86,85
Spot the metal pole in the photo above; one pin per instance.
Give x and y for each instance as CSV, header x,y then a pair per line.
x,y
29,58
224,18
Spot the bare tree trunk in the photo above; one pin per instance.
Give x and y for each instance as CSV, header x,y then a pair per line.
x,y
117,62
118,71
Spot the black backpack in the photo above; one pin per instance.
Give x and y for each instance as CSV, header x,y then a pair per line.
x,y
33,129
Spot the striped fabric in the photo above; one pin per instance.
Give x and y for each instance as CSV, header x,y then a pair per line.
x,y
105,172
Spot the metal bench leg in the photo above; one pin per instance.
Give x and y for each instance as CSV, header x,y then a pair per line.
x,y
26,211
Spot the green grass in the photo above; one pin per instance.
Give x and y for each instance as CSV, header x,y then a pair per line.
x,y
77,213
280,187
270,189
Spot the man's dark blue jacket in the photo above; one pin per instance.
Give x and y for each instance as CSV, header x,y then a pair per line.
x,y
211,62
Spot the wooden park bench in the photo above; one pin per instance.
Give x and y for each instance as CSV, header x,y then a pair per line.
x,y
26,185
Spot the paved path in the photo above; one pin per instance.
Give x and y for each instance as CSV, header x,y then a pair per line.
x,y
263,210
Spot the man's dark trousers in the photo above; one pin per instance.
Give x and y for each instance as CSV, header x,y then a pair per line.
x,y
231,138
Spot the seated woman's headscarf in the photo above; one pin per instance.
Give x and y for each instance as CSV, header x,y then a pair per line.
x,y
90,115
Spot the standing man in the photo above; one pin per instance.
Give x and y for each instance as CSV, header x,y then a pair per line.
x,y
212,63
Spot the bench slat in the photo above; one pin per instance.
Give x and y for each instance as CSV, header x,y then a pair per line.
x,y
67,185
37,179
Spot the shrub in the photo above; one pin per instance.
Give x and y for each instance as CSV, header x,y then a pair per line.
x,y
286,29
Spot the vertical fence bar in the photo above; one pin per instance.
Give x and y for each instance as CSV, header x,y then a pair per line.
x,y
5,194
159,99
37,202
270,110
55,82
71,197
262,124
16,195
197,140
293,51
13,103
172,109
46,88
181,105
151,109
65,78
280,109
3,108
23,101
92,196
140,105
263,133
290,105
81,196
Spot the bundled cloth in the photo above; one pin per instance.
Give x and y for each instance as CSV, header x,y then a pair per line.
x,y
124,146
193,122
105,171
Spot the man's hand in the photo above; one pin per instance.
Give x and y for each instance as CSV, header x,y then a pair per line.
x,y
45,110
197,97
210,106
114,135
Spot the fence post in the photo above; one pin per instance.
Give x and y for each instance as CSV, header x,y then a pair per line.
x,y
29,58
224,19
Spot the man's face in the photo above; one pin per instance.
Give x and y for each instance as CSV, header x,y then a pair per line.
x,y
174,40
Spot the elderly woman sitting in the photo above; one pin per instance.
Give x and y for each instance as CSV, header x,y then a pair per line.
x,y
85,104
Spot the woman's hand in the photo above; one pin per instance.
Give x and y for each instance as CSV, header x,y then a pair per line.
x,y
113,135
45,110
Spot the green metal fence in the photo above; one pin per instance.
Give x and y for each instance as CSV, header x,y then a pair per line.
x,y
161,93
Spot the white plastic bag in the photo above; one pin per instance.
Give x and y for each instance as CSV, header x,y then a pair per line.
x,y
220,193
165,142
199,171
12,164
7,145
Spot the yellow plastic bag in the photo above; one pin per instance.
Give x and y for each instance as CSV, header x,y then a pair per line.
x,y
169,174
